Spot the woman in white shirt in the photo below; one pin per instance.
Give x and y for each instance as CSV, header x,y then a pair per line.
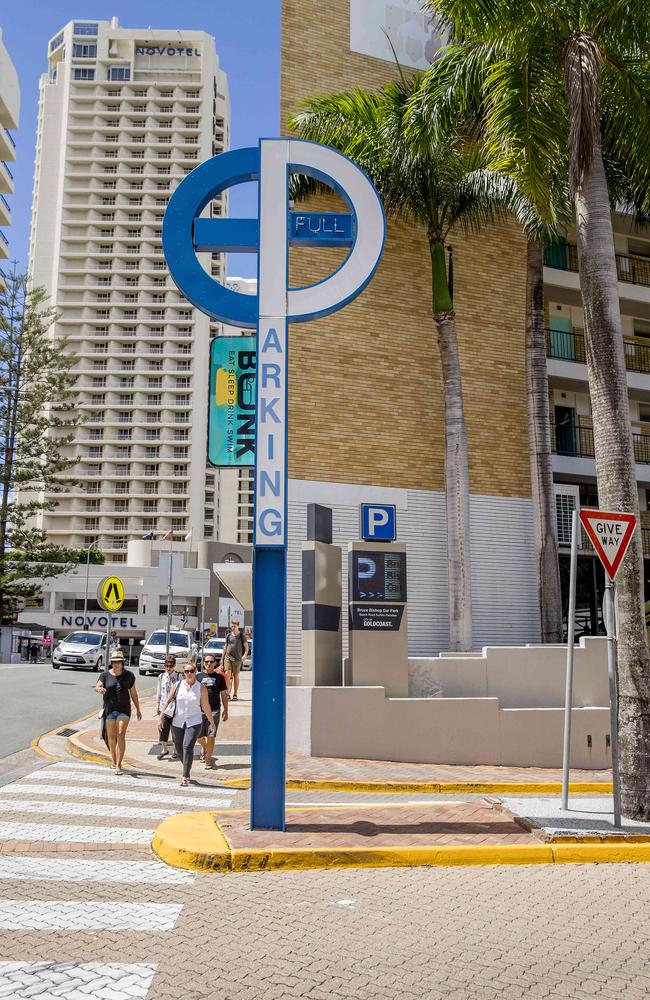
x,y
192,703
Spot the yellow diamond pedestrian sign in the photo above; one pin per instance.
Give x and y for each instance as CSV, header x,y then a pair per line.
x,y
110,593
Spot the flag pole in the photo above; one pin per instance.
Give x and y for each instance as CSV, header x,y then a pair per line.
x,y
170,595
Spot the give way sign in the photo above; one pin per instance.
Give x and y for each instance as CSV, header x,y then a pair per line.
x,y
611,534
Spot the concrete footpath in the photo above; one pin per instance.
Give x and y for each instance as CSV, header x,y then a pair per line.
x,y
401,815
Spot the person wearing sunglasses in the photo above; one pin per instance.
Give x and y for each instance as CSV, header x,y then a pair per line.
x,y
191,704
215,683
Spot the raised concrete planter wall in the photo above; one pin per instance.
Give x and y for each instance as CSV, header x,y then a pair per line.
x,y
504,706
362,723
519,676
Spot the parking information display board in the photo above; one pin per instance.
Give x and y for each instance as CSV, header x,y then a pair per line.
x,y
379,576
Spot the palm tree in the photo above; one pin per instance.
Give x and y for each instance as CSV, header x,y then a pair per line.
x,y
592,61
456,86
440,184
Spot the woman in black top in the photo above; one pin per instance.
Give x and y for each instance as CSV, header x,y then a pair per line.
x,y
117,685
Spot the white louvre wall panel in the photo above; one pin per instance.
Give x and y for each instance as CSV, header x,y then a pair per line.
x,y
503,566
505,606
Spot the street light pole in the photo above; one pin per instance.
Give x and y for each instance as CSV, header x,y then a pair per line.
x,y
88,548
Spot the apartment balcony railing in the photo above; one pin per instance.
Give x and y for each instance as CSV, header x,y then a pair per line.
x,y
7,169
5,202
567,345
631,269
576,439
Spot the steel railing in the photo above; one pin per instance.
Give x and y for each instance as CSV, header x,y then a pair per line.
x,y
576,439
630,268
566,345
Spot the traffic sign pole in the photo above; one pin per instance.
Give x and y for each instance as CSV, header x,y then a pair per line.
x,y
568,698
609,614
611,533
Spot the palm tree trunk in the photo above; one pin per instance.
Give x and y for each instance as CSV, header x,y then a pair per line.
x,y
456,463
539,435
617,486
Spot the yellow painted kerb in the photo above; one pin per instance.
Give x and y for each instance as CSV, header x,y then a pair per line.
x,y
435,787
196,842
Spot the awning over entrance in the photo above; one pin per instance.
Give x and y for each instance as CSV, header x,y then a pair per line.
x,y
238,579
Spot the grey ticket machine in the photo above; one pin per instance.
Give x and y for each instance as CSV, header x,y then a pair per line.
x,y
378,619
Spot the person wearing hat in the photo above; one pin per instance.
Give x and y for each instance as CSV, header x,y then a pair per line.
x,y
117,685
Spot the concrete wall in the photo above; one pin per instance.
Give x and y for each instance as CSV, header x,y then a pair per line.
x,y
361,723
519,676
504,706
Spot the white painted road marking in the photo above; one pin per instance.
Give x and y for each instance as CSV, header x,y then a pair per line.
x,y
74,981
127,781
94,915
75,792
49,833
39,869
83,809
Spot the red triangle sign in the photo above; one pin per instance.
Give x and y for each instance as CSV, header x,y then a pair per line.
x,y
611,535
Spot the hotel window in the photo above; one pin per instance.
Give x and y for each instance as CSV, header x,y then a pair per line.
x,y
150,489
83,51
98,382
95,451
88,28
119,73
152,452
121,504
54,44
152,435
124,451
82,73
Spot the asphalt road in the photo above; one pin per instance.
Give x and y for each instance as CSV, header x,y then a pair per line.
x,y
35,698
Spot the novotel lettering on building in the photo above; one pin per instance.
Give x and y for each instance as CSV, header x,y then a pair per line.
x,y
98,621
166,50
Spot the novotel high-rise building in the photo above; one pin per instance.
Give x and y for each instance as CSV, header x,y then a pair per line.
x,y
124,115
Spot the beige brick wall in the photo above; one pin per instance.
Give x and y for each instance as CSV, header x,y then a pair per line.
x,y
366,389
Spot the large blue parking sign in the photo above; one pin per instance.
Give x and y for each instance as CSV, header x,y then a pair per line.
x,y
378,522
188,231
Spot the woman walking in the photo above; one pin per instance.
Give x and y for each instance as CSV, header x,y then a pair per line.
x,y
117,685
166,682
191,704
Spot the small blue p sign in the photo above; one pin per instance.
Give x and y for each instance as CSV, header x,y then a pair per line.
x,y
378,522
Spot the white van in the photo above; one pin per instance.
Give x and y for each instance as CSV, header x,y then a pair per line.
x,y
154,650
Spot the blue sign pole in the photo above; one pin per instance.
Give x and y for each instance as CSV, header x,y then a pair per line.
x,y
276,305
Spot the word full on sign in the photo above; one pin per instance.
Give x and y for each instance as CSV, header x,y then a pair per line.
x,y
611,534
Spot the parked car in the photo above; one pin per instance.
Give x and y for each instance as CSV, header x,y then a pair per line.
x,y
81,649
154,650
248,660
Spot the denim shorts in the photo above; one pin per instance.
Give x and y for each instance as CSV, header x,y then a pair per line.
x,y
114,716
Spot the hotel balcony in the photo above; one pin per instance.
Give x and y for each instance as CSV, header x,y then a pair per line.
x,y
6,179
567,365
7,145
561,272
4,246
572,443
5,212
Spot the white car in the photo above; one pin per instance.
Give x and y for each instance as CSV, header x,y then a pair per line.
x,y
81,649
154,650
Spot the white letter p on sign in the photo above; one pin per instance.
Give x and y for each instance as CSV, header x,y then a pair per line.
x,y
377,518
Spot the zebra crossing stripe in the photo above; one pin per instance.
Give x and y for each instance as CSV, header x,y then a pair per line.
x,y
83,809
127,781
75,766
91,915
18,867
74,981
50,833
19,789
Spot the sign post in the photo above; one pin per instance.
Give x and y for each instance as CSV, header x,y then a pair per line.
x,y
611,534
185,233
570,640
110,597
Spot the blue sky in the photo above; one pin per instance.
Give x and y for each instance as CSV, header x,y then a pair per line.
x,y
248,44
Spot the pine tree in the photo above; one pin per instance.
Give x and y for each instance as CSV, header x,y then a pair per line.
x,y
37,418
